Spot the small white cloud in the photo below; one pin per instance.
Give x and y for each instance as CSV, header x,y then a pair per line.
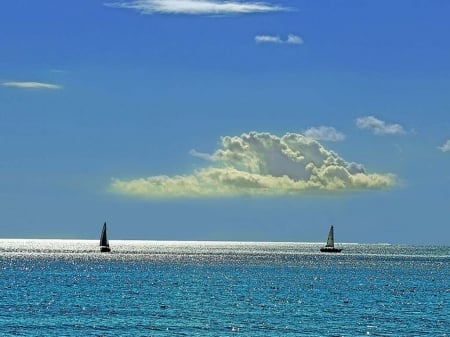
x,y
31,85
267,39
326,133
201,155
197,7
445,147
261,164
292,39
378,126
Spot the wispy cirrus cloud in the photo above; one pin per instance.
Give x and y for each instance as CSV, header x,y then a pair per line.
x,y
197,7
291,39
261,164
32,85
379,127
327,133
445,147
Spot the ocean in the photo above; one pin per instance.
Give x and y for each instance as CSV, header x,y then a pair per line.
x,y
161,288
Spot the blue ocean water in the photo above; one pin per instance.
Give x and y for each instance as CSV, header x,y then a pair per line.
x,y
154,288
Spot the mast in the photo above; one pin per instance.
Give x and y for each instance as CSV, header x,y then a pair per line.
x,y
330,240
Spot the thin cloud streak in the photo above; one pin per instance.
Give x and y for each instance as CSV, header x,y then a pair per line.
x,y
197,7
32,85
261,164
267,39
291,39
379,127
326,133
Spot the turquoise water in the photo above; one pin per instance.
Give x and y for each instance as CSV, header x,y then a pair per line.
x,y
153,288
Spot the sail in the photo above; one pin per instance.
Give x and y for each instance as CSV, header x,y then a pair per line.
x,y
103,238
330,240
329,247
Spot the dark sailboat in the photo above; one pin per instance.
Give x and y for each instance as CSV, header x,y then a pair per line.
x,y
329,247
104,243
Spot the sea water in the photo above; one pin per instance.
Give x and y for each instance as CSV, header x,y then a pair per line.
x,y
154,288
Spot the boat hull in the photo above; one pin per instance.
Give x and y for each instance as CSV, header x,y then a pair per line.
x,y
105,249
330,250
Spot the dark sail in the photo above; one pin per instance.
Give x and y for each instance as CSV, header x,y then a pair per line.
x,y
329,247
104,244
330,239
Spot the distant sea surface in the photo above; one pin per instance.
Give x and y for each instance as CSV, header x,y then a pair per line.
x,y
159,288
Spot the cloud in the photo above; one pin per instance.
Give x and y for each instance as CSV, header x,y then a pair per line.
x,y
291,39
267,39
197,7
445,147
326,133
205,156
294,39
31,85
379,127
261,164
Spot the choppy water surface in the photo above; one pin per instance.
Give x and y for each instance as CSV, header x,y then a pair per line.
x,y
154,288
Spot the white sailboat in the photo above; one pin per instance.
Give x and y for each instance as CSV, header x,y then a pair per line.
x,y
329,247
104,243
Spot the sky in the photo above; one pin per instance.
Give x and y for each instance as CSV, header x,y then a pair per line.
x,y
226,120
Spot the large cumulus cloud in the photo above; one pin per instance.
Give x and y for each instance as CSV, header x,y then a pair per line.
x,y
261,164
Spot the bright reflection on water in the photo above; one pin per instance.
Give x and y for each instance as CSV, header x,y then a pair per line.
x,y
156,288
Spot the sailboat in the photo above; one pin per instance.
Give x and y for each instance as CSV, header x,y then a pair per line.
x,y
104,244
329,247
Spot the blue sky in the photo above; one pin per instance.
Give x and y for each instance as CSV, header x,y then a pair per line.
x,y
239,120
